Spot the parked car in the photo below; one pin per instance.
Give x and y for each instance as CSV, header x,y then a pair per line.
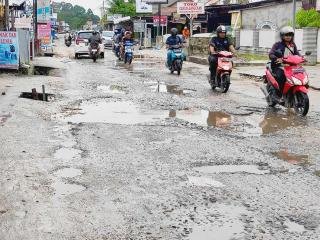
x,y
107,38
81,46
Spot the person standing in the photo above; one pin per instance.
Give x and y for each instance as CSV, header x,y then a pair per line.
x,y
186,32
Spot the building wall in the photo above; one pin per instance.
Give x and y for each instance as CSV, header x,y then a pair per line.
x,y
278,14
318,58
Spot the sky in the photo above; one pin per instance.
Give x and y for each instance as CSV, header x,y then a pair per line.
x,y
95,5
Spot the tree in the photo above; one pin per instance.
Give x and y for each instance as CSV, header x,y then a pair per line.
x,y
308,18
124,8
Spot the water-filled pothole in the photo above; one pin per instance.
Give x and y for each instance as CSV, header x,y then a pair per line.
x,y
122,112
250,169
112,89
295,159
67,153
167,88
204,182
294,227
68,172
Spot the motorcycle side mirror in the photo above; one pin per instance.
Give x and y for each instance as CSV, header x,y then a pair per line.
x,y
237,48
278,54
308,53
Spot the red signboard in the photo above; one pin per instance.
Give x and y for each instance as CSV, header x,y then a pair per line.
x,y
163,20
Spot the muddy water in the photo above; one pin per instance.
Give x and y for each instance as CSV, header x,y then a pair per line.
x,y
167,88
294,227
251,169
227,226
295,159
123,112
67,153
111,89
68,172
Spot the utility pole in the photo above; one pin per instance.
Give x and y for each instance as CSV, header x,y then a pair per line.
x,y
294,14
159,23
7,14
35,26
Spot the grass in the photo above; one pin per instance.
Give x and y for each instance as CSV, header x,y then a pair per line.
x,y
253,57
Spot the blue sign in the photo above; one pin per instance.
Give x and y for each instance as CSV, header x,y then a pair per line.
x,y
9,50
43,11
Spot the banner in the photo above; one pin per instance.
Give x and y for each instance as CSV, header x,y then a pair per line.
x,y
9,50
43,11
142,7
44,34
190,8
163,20
23,22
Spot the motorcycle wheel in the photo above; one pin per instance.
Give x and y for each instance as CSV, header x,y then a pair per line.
x,y
179,67
225,83
130,61
94,57
301,103
271,92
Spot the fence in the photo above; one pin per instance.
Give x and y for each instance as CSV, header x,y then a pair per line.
x,y
261,41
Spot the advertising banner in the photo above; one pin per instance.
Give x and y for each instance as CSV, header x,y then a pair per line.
x,y
9,50
43,11
163,20
23,22
190,8
142,7
44,34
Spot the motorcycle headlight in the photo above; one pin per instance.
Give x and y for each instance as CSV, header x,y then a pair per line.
x,y
296,81
225,68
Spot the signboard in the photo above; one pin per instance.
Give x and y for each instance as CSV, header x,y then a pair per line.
x,y
155,1
142,7
163,20
177,18
44,34
139,26
55,7
43,11
113,17
119,20
23,22
9,50
318,5
190,8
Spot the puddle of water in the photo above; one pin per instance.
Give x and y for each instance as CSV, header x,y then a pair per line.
x,y
203,117
116,113
294,227
292,158
113,89
229,225
63,189
251,169
68,172
67,153
204,182
167,88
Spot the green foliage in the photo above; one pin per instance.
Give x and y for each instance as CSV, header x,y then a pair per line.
x,y
76,16
308,18
124,8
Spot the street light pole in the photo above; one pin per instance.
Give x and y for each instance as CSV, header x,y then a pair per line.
x,y
294,14
35,26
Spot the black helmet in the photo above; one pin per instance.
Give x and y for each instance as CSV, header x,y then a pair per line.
x,y
174,31
221,29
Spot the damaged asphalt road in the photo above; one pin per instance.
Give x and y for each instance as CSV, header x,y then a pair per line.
x,y
132,152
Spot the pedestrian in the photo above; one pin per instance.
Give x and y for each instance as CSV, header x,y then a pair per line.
x,y
186,32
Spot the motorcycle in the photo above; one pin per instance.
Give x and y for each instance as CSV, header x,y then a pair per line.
x,y
224,69
295,91
177,59
93,50
116,49
128,52
68,43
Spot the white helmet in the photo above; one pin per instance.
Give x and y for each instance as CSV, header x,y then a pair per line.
x,y
286,30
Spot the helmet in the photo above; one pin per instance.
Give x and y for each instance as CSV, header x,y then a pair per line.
x,y
174,31
221,29
286,30
95,32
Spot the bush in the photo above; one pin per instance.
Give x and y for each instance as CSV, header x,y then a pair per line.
x,y
308,18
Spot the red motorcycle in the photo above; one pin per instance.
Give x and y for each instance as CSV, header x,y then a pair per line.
x,y
224,69
295,91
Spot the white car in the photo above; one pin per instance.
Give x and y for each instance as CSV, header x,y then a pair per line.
x,y
82,46
107,38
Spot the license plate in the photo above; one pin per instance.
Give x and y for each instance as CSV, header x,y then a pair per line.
x,y
177,50
299,70
128,50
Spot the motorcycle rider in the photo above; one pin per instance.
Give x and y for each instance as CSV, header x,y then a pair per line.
x,y
126,38
173,40
219,43
286,47
94,41
67,37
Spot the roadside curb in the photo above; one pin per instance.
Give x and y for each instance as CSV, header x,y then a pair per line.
x,y
260,77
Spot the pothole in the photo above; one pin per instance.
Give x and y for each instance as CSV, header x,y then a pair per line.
x,y
250,169
112,89
204,182
295,159
121,112
167,88
68,172
38,96
294,227
67,153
